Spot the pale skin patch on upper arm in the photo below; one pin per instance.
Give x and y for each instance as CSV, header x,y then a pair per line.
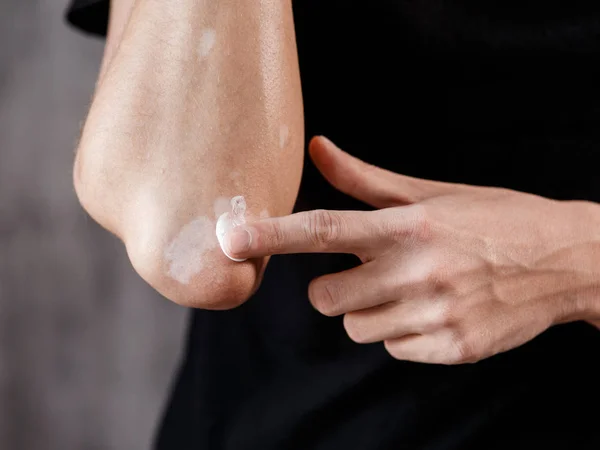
x,y
284,136
264,214
206,43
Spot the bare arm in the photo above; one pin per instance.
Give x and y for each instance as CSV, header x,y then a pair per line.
x,y
198,101
120,12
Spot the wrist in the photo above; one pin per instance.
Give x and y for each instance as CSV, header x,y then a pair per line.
x,y
581,259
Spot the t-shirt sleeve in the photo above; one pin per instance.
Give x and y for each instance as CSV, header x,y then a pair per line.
x,y
90,16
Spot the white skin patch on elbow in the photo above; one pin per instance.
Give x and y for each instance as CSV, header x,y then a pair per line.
x,y
231,219
207,42
264,214
284,135
185,254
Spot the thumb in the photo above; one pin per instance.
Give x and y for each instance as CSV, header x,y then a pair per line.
x,y
371,184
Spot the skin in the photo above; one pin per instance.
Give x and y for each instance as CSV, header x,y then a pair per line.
x,y
189,106
169,125
450,273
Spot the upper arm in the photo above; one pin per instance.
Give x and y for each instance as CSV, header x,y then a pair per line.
x,y
120,11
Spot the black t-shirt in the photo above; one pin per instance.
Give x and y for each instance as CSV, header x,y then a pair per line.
x,y
486,92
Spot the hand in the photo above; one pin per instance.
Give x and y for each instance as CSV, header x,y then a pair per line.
x,y
451,273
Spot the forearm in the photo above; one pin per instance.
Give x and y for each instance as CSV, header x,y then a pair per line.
x,y
200,101
574,271
591,308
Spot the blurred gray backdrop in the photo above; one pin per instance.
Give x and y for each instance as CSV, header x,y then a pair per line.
x,y
87,350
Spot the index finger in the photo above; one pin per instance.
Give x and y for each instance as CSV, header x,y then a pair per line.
x,y
317,231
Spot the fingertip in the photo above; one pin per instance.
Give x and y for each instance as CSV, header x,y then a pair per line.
x,y
320,143
320,152
314,141
237,242
313,146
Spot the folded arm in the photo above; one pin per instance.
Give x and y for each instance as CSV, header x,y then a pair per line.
x,y
197,102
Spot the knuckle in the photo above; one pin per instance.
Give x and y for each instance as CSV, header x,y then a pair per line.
x,y
462,350
439,282
435,276
322,227
390,225
443,315
421,226
324,296
273,239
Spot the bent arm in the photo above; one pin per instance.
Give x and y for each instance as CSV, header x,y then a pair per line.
x,y
198,101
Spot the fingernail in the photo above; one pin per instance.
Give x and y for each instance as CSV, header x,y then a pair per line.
x,y
238,240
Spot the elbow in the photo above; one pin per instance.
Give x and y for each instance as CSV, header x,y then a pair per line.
x,y
92,189
210,281
172,247
191,270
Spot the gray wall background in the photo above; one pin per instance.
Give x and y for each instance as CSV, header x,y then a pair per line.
x,y
87,350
